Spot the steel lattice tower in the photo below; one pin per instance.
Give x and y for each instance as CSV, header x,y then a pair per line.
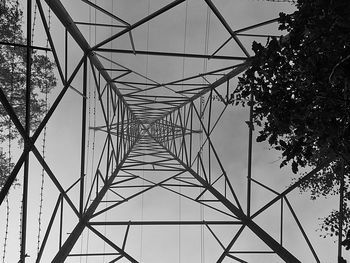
x,y
155,137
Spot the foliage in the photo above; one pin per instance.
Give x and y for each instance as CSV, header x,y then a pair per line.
x,y
330,223
13,77
301,92
5,167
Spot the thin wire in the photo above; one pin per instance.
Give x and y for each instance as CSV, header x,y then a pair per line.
x,y
147,44
21,208
92,161
42,185
184,44
88,141
142,209
108,123
202,102
34,20
143,156
9,169
183,76
6,228
94,122
43,148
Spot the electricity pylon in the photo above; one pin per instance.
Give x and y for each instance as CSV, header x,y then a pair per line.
x,y
153,137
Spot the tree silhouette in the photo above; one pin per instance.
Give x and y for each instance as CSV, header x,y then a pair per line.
x,y
301,90
13,79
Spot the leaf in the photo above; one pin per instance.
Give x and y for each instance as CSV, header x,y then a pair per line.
x,y
294,167
283,143
273,139
261,138
257,47
283,163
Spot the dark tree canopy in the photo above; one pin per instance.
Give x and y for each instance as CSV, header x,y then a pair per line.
x,y
301,88
13,79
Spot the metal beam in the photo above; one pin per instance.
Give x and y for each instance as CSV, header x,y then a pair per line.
x,y
24,46
226,25
163,223
167,54
106,12
83,139
27,131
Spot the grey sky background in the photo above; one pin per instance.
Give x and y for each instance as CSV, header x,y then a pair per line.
x,y
230,138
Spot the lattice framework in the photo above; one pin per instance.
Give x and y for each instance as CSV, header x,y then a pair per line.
x,y
148,127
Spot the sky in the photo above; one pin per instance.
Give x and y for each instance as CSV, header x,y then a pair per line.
x,y
183,29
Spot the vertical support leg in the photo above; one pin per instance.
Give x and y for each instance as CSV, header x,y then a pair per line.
x,y
27,130
250,153
61,225
341,210
83,139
